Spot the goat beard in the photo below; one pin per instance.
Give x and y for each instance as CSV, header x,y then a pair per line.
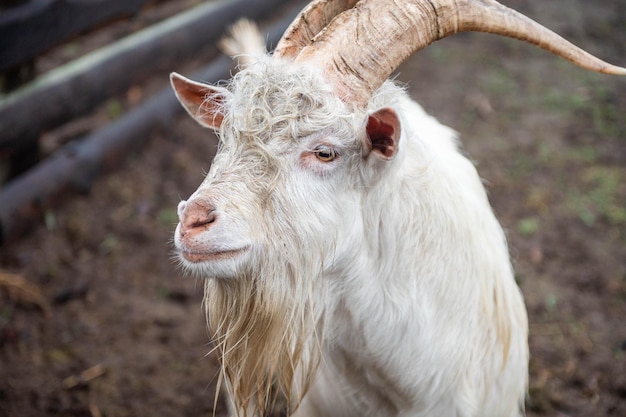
x,y
266,329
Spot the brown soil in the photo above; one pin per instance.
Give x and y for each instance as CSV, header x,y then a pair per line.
x,y
548,138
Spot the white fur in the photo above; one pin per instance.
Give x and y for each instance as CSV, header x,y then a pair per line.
x,y
413,325
402,289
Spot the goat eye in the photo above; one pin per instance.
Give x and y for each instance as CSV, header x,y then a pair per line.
x,y
325,153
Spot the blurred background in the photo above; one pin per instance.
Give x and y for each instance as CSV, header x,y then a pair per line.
x,y
95,317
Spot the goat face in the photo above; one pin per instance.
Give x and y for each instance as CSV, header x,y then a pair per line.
x,y
284,176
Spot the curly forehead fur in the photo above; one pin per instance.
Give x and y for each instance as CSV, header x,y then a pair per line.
x,y
273,99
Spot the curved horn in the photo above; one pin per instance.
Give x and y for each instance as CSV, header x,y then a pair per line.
x,y
364,45
311,20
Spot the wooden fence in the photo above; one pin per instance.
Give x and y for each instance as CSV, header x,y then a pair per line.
x,y
78,87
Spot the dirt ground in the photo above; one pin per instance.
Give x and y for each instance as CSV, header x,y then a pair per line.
x,y
110,326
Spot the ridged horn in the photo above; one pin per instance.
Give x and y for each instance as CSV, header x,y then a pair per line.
x,y
364,45
311,20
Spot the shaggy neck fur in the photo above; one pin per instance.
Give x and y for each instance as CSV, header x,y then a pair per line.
x,y
265,323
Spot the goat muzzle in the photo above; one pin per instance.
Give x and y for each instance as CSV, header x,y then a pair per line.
x,y
195,217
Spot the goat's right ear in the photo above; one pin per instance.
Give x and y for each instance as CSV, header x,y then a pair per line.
x,y
203,102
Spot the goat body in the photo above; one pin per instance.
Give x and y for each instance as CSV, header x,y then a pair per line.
x,y
424,316
387,278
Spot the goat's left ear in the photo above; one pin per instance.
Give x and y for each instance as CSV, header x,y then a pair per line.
x,y
382,133
203,102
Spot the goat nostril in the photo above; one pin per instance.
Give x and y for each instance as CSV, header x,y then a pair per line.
x,y
211,217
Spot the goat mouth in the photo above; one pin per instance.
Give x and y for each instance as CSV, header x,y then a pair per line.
x,y
198,256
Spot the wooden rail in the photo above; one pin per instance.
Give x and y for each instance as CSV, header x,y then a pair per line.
x,y
78,87
76,165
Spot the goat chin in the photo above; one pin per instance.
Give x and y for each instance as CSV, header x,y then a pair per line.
x,y
369,286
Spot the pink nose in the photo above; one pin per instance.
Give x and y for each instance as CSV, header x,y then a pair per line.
x,y
196,216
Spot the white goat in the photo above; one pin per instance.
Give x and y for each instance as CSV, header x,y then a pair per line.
x,y
354,260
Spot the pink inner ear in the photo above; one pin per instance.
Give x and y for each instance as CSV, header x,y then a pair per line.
x,y
201,101
210,109
383,132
